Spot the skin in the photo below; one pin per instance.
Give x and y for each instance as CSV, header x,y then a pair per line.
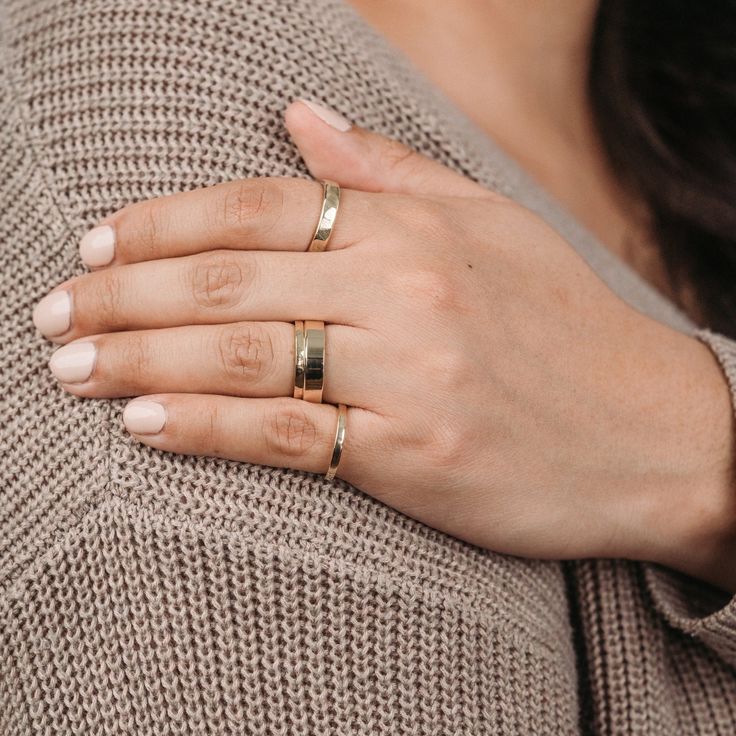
x,y
519,71
498,390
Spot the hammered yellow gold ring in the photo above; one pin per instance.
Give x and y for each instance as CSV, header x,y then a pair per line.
x,y
327,216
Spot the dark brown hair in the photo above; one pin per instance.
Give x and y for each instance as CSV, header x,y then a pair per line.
x,y
663,89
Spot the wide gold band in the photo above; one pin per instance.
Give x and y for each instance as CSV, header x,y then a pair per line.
x,y
326,222
314,368
300,359
339,441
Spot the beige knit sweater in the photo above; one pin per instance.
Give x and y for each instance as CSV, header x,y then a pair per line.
x,y
149,593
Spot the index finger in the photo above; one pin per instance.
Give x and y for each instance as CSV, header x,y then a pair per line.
x,y
266,213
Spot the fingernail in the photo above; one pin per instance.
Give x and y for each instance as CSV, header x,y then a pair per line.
x,y
330,117
53,314
97,247
74,362
144,417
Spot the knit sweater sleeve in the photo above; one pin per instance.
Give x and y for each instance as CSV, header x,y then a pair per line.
x,y
698,609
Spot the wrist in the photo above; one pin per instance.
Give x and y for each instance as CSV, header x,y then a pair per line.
x,y
691,521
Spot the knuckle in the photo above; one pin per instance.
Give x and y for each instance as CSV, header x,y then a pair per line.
x,y
108,298
399,160
445,445
290,430
430,288
246,201
209,432
449,371
246,350
218,278
451,445
146,224
435,221
137,359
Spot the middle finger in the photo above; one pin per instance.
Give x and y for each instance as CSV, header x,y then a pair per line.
x,y
207,288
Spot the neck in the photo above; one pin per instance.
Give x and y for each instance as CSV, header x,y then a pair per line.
x,y
532,56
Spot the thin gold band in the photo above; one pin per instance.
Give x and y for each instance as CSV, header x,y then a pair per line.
x,y
300,359
314,366
326,222
339,441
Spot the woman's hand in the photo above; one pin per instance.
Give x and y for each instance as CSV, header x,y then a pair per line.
x,y
498,390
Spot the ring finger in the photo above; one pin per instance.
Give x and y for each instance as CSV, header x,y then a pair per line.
x,y
248,359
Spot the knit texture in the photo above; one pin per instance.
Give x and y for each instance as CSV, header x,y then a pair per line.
x,y
144,592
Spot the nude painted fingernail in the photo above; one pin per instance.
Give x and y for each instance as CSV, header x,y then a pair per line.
x,y
97,247
74,362
53,314
330,117
144,417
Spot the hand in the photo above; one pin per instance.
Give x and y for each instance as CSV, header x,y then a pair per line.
x,y
498,390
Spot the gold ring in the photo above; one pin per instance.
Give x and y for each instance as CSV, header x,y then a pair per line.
x,y
339,441
314,365
326,222
300,359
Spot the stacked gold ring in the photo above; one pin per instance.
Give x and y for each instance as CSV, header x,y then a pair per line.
x,y
300,359
314,368
309,335
309,362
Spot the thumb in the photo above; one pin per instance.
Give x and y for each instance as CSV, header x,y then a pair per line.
x,y
334,149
